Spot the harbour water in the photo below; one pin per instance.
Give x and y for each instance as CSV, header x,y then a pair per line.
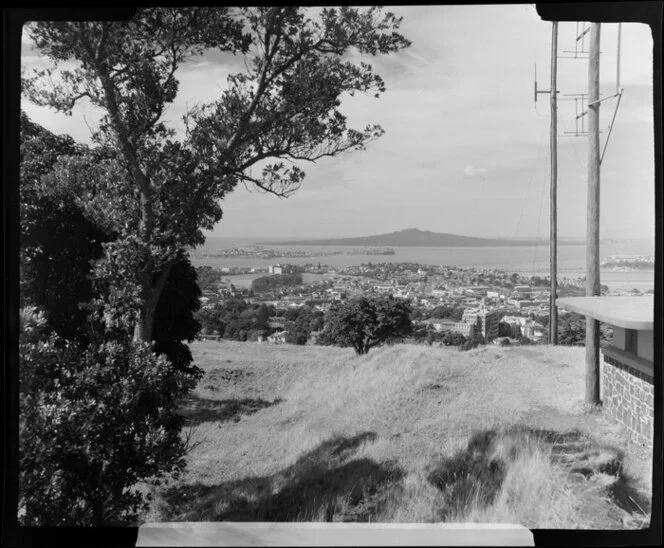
x,y
526,260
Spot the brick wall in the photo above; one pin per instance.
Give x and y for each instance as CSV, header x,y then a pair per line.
x,y
628,394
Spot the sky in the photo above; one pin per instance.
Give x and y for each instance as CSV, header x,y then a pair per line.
x,y
466,148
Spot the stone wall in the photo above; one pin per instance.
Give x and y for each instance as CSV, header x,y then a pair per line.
x,y
628,396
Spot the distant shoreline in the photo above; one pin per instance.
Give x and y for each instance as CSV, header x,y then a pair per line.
x,y
413,237
335,243
263,240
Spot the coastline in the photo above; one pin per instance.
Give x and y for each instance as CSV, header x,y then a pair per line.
x,y
525,261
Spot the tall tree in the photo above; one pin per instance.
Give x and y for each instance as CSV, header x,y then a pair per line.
x,y
98,412
59,243
57,240
158,192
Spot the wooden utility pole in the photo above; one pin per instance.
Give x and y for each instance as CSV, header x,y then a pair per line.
x,y
592,231
553,259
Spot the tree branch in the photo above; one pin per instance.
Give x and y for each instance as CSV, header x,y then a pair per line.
x,y
260,90
280,194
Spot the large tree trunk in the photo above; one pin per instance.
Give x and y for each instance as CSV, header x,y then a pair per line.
x,y
152,290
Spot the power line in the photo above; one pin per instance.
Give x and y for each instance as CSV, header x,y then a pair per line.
x,y
530,180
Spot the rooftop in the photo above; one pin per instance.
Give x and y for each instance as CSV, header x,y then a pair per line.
x,y
626,312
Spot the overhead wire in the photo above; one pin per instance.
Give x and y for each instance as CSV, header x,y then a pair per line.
x,y
530,180
539,218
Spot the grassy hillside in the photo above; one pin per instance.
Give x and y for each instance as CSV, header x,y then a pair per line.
x,y
404,434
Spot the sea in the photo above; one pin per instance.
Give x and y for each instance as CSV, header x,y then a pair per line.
x,y
525,260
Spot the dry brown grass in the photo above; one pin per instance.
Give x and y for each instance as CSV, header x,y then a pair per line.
x,y
404,434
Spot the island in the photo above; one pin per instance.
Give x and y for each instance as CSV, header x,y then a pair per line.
x,y
413,237
629,262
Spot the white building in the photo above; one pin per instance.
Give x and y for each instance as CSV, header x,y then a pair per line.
x,y
277,338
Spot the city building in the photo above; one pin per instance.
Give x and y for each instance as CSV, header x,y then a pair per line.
x,y
277,338
477,290
467,329
522,289
276,269
526,303
533,330
515,324
440,325
277,322
486,320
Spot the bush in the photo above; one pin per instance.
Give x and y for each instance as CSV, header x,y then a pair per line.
x,y
93,422
453,339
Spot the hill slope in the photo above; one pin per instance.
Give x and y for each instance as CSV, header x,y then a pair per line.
x,y
411,237
317,434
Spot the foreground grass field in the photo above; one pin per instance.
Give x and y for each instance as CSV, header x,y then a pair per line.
x,y
404,434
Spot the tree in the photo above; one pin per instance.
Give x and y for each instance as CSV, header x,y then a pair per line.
x,y
447,312
524,341
364,323
297,332
159,193
452,338
275,281
211,320
263,315
175,316
208,277
58,244
504,329
94,421
300,322
98,412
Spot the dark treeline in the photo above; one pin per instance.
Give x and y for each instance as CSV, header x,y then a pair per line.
x,y
238,320
572,329
275,281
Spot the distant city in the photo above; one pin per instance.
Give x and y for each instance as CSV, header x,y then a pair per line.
x,y
260,252
483,298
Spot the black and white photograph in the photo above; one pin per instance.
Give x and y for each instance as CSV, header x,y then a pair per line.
x,y
372,272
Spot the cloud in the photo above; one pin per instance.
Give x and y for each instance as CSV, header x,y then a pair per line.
x,y
471,171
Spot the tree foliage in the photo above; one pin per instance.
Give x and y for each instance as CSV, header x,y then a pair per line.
x,y
572,330
275,281
152,193
301,322
364,322
175,317
59,244
93,420
97,411
453,339
236,319
446,312
208,277
158,192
